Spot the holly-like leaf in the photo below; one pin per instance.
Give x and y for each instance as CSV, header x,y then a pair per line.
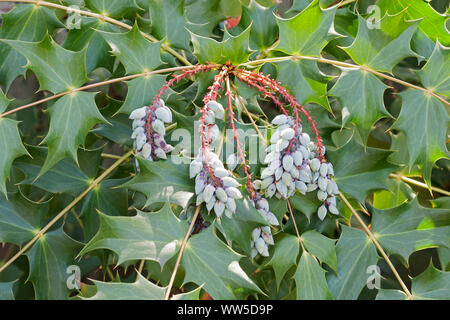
x,y
6,290
310,280
321,247
304,79
191,295
382,46
412,226
360,170
113,8
160,180
24,22
87,35
4,101
432,284
151,236
72,116
435,75
398,192
20,218
207,49
220,273
141,289
141,91
423,119
12,148
361,97
432,23
169,22
56,68
308,32
284,256
49,258
355,252
136,53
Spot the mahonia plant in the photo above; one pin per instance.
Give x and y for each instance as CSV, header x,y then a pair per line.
x,y
224,149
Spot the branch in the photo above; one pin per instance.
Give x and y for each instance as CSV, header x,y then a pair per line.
x,y
105,18
377,244
348,65
67,209
418,183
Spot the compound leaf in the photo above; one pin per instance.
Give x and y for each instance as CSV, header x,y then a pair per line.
x,y
432,284
321,247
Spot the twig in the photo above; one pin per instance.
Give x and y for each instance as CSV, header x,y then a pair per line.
x,y
418,183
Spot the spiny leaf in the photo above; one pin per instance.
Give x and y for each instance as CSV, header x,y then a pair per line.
x,y
191,295
435,75
355,252
169,22
136,53
284,256
49,258
221,274
411,227
151,236
160,180
361,97
321,247
310,280
207,49
11,146
141,289
56,68
72,116
432,284
6,290
360,170
113,8
397,193
382,48
25,22
141,91
432,23
308,32
304,79
423,119
20,218
4,101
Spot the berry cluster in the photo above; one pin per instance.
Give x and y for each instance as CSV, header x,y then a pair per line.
x,y
294,164
149,130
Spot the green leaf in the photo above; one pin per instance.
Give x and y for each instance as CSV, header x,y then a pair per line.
x,y
284,256
231,8
169,22
321,247
87,35
432,284
49,258
191,295
355,252
304,79
390,294
207,49
151,236
423,119
64,177
11,146
360,95
398,192
310,280
162,180
113,8
56,68
141,91
220,273
136,53
432,23
308,32
24,22
360,170
411,227
72,116
6,290
20,218
4,101
435,75
382,47
141,289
